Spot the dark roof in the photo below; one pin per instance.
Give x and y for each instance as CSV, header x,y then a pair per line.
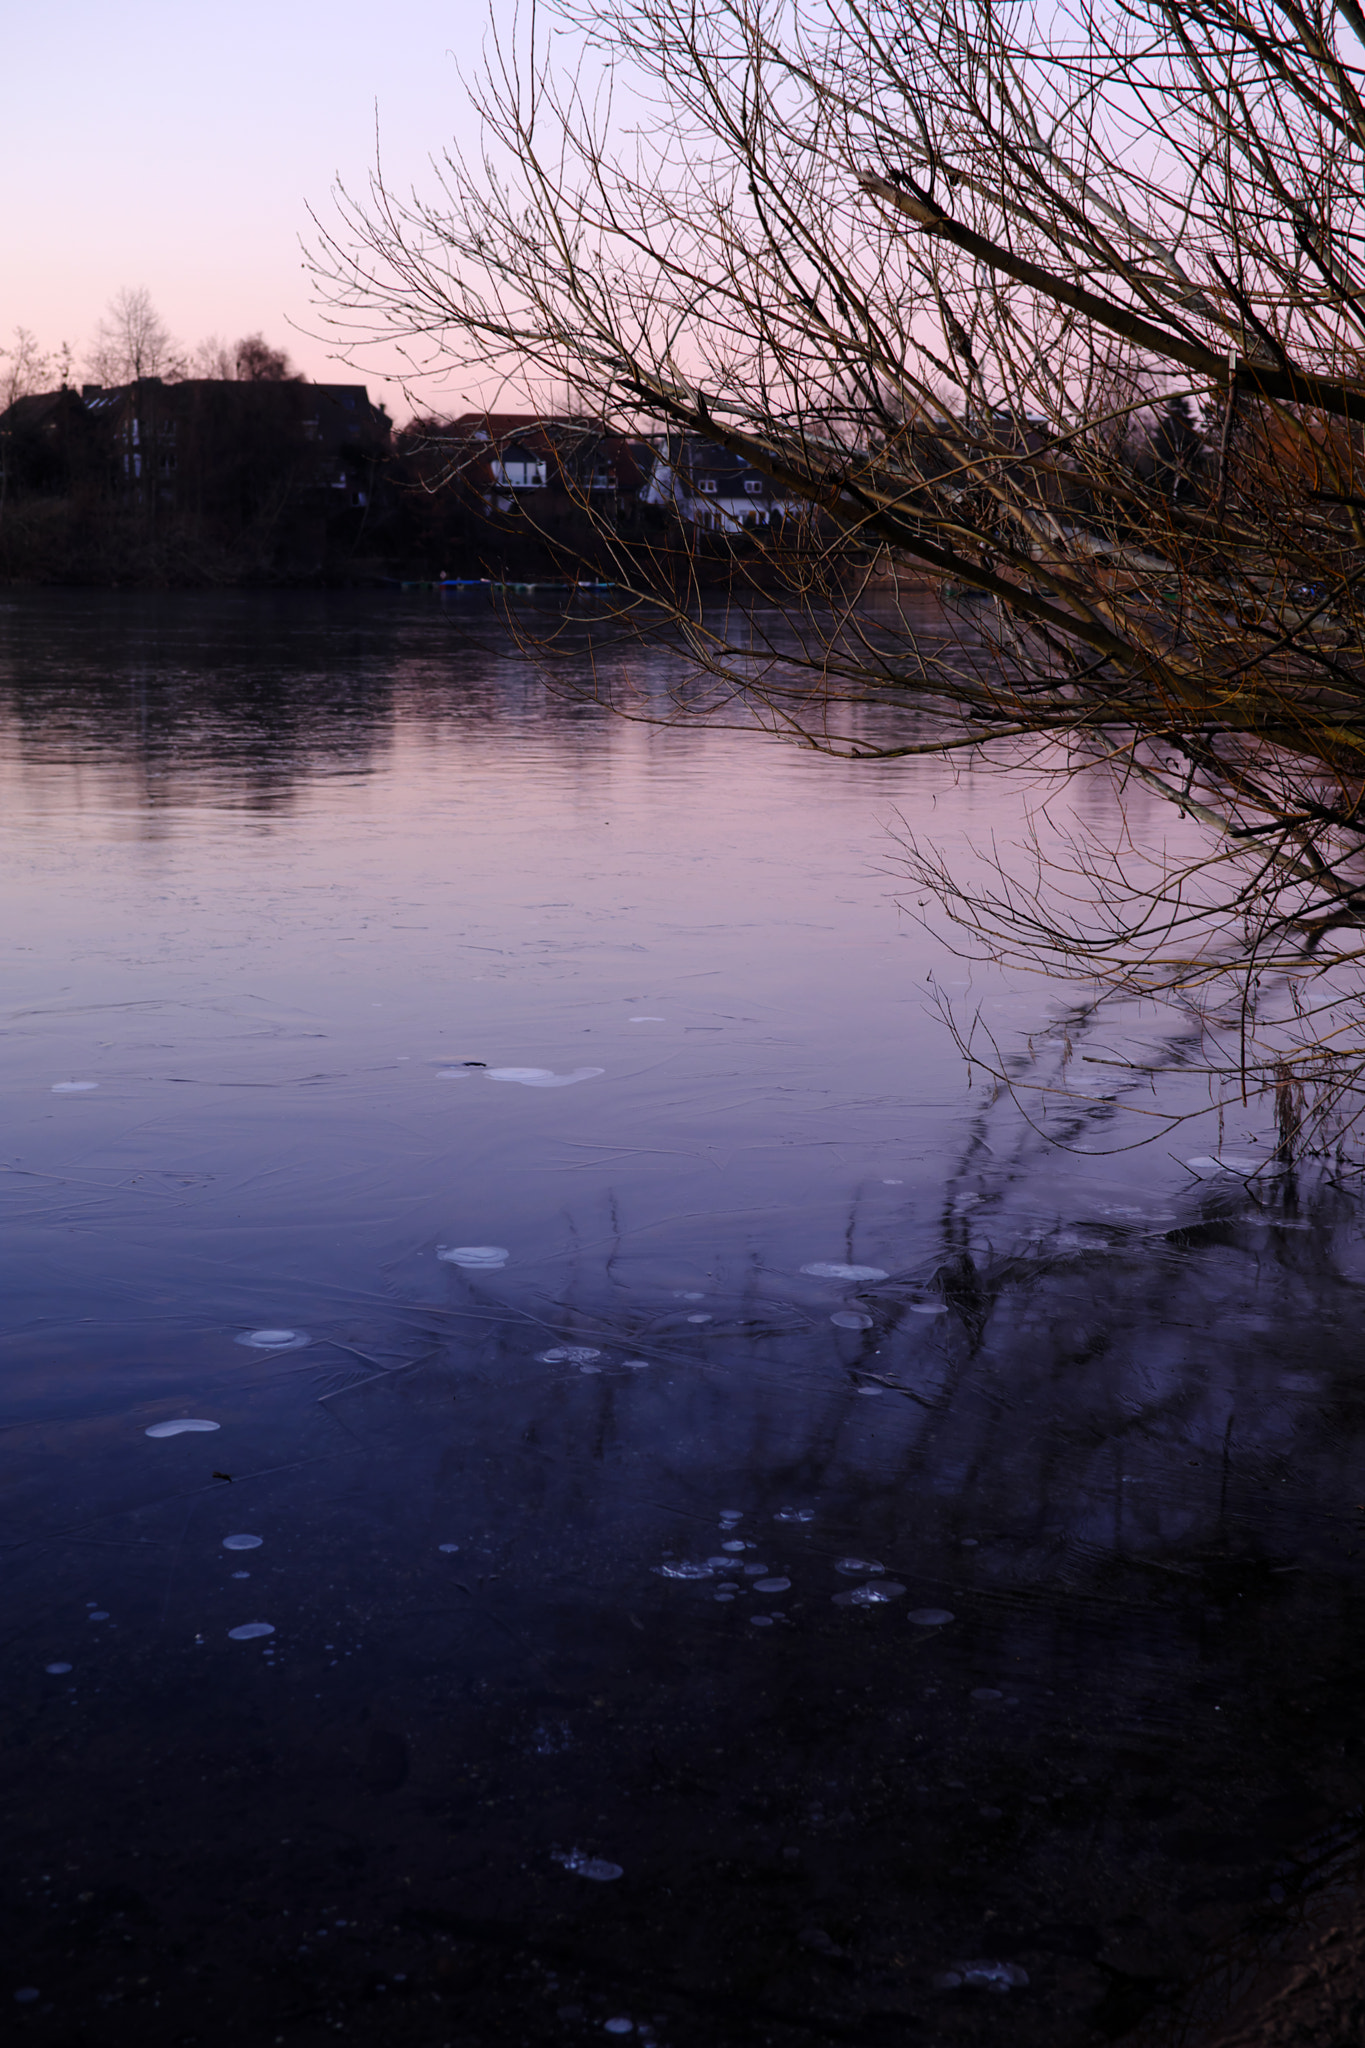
x,y
38,409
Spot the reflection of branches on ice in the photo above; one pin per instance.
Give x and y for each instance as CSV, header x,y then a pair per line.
x,y
1255,1004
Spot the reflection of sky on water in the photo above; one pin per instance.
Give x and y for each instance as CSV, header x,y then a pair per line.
x,y
504,1375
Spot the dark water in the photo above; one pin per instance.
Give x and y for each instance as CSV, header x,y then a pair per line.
x,y
276,872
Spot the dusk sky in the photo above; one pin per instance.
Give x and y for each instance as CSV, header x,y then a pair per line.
x,y
163,145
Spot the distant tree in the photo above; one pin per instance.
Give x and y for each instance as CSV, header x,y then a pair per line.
x,y
255,362
133,341
212,358
25,369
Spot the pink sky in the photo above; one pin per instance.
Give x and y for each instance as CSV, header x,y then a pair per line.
x,y
179,147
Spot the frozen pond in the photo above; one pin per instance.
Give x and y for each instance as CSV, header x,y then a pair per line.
x,y
567,1468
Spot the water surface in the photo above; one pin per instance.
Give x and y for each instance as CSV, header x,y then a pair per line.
x,y
531,1139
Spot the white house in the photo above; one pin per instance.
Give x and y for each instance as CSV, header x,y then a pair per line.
x,y
711,489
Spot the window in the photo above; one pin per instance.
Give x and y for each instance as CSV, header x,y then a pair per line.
x,y
708,485
754,486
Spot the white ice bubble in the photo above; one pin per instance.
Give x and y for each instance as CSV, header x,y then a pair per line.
x,y
720,1564
687,1294
448,1548
568,1354
985,1976
454,1073
479,1257
542,1077
183,1425
590,1368
987,1692
56,1670
794,1515
857,1567
928,1308
754,1571
772,1585
850,1319
871,1390
243,1542
822,1269
595,1867
97,1614
622,2025
701,1319
736,1545
273,1340
26,1994
241,1575
875,1594
732,1514
893,1183
73,1087
637,1365
1231,1162
682,1571
760,1621
649,1020
722,1596
251,1631
929,1617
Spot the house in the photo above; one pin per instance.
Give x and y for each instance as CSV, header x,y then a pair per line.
x,y
210,444
49,446
712,490
225,479
516,463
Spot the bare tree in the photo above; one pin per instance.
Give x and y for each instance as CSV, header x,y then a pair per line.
x,y
133,341
24,369
250,361
212,358
1064,307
